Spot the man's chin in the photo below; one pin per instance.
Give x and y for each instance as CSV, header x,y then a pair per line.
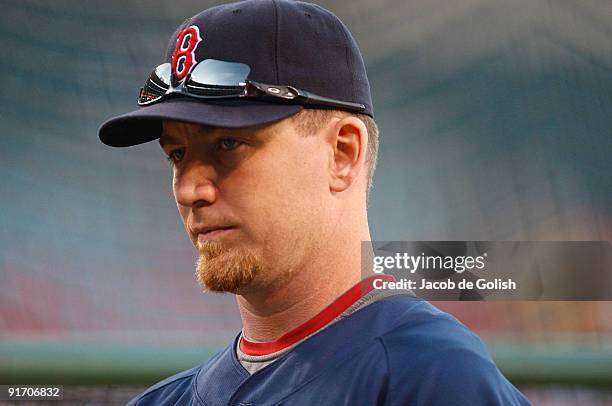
x,y
223,269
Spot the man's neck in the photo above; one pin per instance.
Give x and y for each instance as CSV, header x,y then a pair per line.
x,y
269,315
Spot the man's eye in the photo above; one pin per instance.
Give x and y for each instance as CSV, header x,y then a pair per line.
x,y
176,155
228,144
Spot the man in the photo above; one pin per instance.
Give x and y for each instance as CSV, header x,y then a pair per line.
x,y
264,109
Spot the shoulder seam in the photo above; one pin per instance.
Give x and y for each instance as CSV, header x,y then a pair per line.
x,y
438,316
388,369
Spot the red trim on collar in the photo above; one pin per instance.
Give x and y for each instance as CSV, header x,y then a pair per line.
x,y
317,322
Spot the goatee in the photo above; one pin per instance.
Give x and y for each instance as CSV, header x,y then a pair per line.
x,y
224,269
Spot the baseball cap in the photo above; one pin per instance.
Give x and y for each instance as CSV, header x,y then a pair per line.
x,y
285,43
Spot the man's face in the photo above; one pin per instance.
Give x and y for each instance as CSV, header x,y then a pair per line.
x,y
252,200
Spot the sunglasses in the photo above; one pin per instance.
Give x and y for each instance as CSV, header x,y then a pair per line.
x,y
212,79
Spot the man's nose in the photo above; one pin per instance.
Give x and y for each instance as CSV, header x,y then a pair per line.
x,y
194,184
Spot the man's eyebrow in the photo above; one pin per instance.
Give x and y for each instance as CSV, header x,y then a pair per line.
x,y
166,139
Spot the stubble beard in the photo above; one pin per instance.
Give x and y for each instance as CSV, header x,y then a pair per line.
x,y
223,269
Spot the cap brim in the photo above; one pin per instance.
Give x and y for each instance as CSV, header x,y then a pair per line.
x,y
144,124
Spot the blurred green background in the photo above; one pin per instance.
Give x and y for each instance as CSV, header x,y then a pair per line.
x,y
495,121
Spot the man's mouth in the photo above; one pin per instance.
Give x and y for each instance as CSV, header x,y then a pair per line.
x,y
209,233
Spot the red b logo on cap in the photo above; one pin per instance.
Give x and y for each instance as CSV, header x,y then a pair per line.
x,y
183,57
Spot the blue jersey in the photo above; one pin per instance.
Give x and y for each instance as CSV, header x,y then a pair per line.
x,y
397,351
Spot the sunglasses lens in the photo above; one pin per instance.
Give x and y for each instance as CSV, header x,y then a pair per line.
x,y
218,78
162,74
156,86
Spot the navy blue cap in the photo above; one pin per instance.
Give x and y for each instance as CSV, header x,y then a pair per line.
x,y
284,42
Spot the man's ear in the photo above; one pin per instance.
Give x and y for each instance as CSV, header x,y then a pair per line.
x,y
349,140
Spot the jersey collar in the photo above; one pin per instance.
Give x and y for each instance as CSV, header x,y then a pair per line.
x,y
319,321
